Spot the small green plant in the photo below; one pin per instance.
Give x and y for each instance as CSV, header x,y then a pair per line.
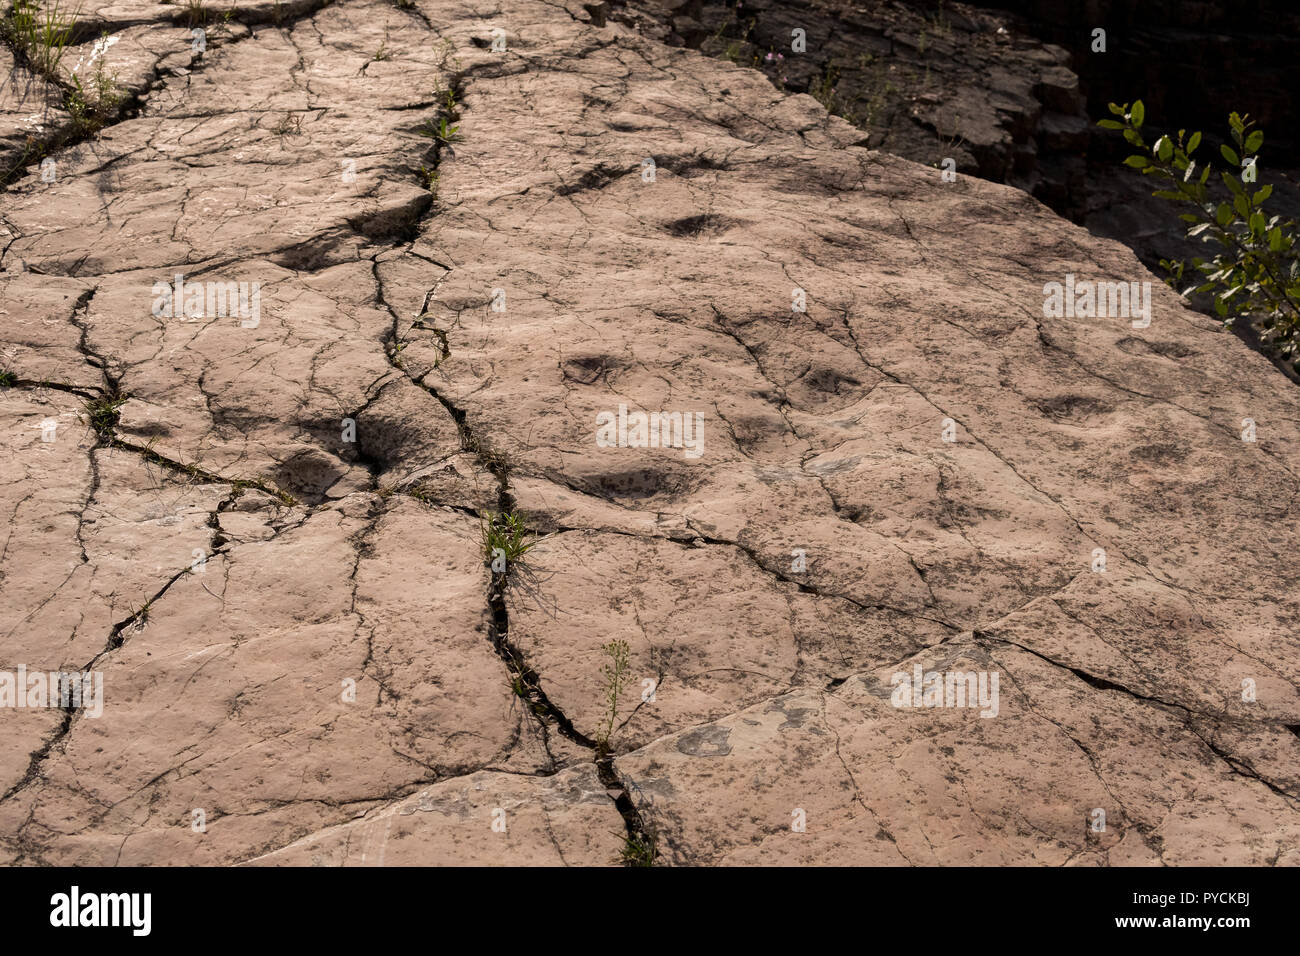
x,y
444,132
102,415
382,53
429,177
41,33
140,615
639,849
7,378
196,14
506,539
825,88
1255,274
448,51
617,676
91,104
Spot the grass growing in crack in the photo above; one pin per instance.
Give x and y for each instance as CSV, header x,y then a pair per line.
x,y
42,34
639,849
444,133
505,540
429,179
196,14
102,415
140,616
7,378
90,104
617,672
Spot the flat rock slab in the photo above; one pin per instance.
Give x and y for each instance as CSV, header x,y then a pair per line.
x,y
250,499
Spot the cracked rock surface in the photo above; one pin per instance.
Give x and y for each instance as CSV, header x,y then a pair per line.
x,y
264,531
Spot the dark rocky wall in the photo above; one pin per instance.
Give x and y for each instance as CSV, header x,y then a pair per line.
x,y
1190,61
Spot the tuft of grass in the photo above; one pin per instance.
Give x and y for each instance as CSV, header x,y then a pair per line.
x,y
639,850
140,615
7,378
42,34
102,415
92,103
505,535
196,15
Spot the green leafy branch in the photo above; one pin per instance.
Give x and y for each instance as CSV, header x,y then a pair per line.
x,y
1255,273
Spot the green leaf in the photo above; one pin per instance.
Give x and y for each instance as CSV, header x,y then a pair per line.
x,y
1193,143
1235,122
1231,182
1110,124
1254,141
1137,162
1137,114
1223,215
1189,217
1263,194
1229,155
1257,224
1135,138
1167,194
1164,149
1117,110
1241,204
